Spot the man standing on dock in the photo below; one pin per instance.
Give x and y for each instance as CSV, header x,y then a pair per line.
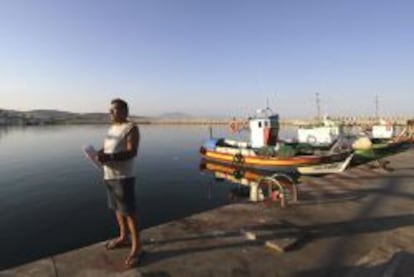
x,y
117,156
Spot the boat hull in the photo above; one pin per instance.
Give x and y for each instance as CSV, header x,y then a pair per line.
x,y
271,163
381,150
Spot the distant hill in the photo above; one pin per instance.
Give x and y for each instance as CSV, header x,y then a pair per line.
x,y
50,114
41,117
50,117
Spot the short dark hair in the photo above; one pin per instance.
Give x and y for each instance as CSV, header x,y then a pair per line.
x,y
121,104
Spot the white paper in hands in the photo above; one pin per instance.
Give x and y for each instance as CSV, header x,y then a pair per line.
x,y
92,155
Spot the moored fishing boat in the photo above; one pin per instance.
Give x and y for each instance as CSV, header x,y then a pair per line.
x,y
323,134
379,149
266,151
227,151
382,141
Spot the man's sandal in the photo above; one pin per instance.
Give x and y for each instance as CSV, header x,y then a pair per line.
x,y
134,260
116,243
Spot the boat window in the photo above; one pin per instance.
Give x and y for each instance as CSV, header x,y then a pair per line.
x,y
260,124
266,123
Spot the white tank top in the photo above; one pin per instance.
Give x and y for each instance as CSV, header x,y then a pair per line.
x,y
115,142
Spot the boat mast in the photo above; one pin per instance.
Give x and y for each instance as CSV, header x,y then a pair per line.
x,y
268,110
376,107
267,104
318,106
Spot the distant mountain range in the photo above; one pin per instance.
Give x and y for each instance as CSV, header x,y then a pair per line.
x,y
49,114
36,117
66,114
40,117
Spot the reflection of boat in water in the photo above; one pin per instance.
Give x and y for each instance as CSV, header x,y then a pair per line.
x,y
263,185
265,151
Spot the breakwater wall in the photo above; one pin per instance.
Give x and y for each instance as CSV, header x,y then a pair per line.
x,y
9,118
348,121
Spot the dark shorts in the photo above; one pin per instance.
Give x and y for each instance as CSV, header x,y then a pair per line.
x,y
121,195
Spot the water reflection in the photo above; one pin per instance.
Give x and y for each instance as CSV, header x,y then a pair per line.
x,y
52,199
3,131
257,185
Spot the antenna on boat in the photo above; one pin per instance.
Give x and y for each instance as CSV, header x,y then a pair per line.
x,y
267,111
376,106
267,106
318,106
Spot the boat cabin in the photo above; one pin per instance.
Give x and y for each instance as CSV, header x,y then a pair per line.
x,y
383,130
264,130
410,128
325,134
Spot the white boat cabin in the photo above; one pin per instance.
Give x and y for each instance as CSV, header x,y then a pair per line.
x,y
320,135
264,130
384,130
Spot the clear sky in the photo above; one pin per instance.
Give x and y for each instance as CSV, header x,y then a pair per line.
x,y
208,57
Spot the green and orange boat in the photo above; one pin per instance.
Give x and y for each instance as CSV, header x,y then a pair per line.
x,y
265,151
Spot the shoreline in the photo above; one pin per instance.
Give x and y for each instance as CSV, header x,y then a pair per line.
x,y
201,122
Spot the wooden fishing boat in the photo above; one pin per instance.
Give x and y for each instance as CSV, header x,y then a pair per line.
x,y
251,176
231,152
265,151
380,149
383,140
384,131
323,134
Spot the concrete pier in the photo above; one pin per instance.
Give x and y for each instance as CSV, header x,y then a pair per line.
x,y
357,223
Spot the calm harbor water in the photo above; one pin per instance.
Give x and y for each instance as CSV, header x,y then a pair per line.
x,y
52,199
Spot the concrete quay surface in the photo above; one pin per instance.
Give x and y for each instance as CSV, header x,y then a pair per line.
x,y
357,223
